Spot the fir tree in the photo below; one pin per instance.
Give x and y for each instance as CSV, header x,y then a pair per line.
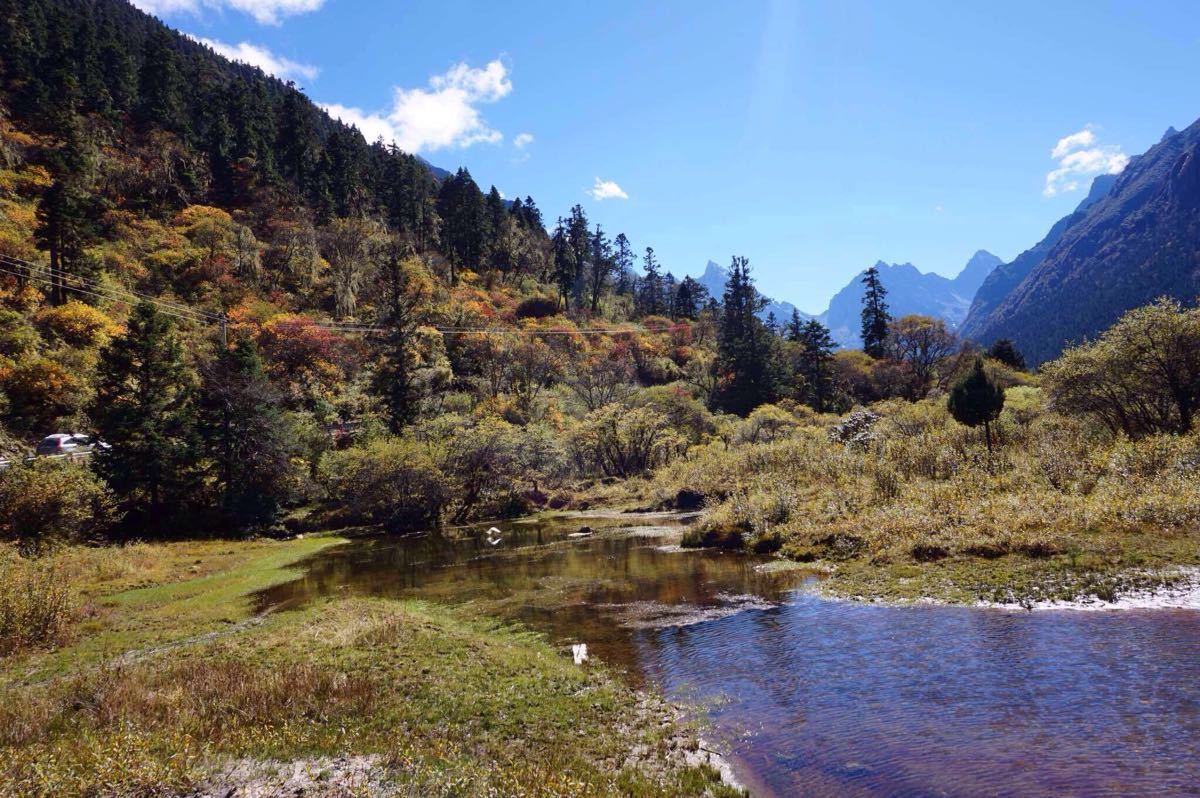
x,y
650,301
395,377
977,400
144,411
815,365
795,327
744,363
600,267
875,317
244,435
623,264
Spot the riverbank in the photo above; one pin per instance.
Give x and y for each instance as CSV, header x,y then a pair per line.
x,y
163,681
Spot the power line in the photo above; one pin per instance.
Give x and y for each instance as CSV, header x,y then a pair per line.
x,y
111,292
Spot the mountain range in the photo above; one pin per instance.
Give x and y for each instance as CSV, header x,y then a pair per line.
x,y
909,291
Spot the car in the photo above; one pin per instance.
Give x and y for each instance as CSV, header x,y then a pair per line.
x,y
62,444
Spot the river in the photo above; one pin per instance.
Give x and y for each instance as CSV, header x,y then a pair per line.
x,y
818,697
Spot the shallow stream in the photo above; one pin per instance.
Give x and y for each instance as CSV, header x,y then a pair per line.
x,y
819,697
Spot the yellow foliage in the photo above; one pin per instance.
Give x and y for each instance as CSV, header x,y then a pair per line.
x,y
76,324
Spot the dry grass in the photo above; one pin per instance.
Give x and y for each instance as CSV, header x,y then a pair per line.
x,y
38,606
923,490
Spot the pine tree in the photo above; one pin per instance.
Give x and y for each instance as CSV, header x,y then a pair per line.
x,y
579,239
64,227
744,363
690,297
795,327
875,317
815,365
600,267
650,301
1005,351
623,264
772,323
976,399
144,411
395,377
564,263
244,435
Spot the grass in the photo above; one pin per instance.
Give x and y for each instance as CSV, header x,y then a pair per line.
x,y
164,683
918,509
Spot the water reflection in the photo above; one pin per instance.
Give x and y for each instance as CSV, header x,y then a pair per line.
x,y
829,698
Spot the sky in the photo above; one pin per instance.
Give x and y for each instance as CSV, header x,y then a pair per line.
x,y
815,138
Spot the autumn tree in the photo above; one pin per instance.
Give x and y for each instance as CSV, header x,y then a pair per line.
x,y
1140,377
921,343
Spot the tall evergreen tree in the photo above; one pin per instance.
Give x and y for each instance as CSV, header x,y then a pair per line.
x,y
650,292
600,267
161,85
815,365
579,239
744,364
690,297
623,264
395,378
65,224
875,316
564,263
244,435
144,410
795,327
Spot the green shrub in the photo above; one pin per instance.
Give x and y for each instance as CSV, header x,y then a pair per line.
x,y
51,501
391,481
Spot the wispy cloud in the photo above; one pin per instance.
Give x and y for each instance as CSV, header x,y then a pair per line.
x,y
446,114
1080,157
260,57
606,189
267,12
522,140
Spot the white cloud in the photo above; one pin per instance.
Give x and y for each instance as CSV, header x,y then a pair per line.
x,y
522,140
443,115
267,12
260,57
1081,157
607,189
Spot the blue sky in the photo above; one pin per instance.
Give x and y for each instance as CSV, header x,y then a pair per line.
x,y
814,138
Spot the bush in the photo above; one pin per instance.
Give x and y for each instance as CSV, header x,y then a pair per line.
x,y
49,501
393,482
764,424
537,307
75,324
36,606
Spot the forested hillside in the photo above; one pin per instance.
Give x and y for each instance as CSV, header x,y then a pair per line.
x,y
224,285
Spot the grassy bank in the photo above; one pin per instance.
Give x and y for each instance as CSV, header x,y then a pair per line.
x,y
905,503
160,681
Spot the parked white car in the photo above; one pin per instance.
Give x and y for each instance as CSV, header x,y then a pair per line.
x,y
62,444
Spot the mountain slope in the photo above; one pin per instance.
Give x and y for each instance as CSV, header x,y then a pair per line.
x,y
1005,277
1139,241
909,291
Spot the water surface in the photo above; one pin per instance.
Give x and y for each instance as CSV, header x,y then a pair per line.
x,y
818,697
